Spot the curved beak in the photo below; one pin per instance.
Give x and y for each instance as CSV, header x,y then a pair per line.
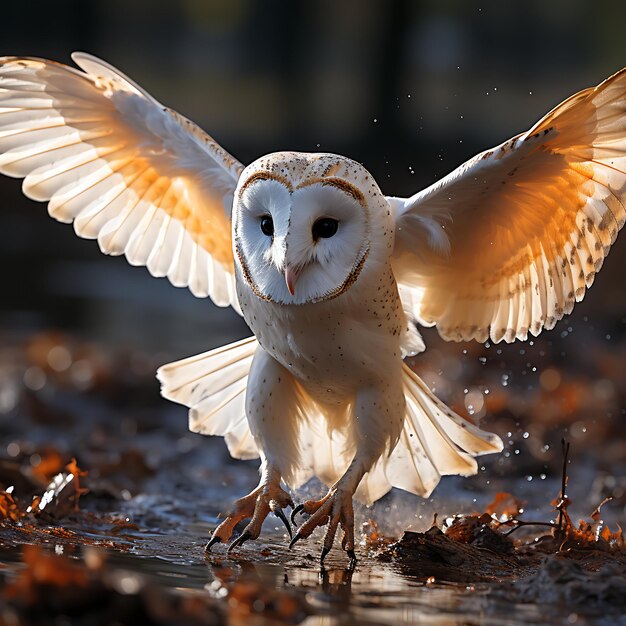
x,y
291,277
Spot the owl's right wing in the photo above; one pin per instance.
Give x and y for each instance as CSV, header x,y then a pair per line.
x,y
138,177
509,241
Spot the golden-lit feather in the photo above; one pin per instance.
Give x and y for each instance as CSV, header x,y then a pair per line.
x,y
142,179
525,226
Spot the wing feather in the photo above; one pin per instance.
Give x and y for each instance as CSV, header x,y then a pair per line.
x,y
138,177
507,243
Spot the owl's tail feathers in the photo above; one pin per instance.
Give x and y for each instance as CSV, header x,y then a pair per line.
x,y
434,442
213,386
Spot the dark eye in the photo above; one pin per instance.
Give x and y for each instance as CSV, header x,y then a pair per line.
x,y
325,227
267,225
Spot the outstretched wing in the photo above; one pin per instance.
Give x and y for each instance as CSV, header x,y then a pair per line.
x,y
127,171
508,242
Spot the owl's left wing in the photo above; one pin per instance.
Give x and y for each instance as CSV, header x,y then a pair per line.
x,y
508,242
138,177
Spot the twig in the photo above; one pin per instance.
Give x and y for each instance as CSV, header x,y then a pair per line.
x,y
519,523
563,496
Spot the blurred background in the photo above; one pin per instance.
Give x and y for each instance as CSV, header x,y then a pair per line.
x,y
410,89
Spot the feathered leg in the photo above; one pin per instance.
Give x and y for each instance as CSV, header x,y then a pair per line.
x,y
378,420
272,412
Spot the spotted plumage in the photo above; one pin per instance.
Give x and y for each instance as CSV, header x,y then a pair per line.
x,y
329,273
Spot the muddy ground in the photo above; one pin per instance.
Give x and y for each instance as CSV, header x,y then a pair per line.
x,y
108,501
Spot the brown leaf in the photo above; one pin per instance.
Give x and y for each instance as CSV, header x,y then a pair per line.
x,y
50,464
505,506
372,537
77,473
8,506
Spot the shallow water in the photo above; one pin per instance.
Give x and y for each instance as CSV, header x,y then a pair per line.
x,y
170,555
374,593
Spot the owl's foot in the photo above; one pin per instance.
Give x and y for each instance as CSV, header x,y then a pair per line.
x,y
309,507
334,509
256,505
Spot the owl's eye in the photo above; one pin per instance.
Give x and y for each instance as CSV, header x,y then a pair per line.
x,y
267,226
324,228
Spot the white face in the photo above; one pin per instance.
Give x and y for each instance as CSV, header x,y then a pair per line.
x,y
300,245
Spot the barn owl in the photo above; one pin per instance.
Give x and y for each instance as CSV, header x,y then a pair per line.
x,y
330,274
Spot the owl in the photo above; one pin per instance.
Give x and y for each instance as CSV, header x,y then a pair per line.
x,y
331,275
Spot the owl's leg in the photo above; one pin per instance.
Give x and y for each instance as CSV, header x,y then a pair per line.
x,y
380,411
268,497
272,410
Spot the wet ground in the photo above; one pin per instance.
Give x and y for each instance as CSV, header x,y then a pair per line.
x,y
119,537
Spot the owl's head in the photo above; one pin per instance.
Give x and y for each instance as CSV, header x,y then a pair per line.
x,y
302,225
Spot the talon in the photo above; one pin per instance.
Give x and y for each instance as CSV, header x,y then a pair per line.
x,y
325,551
214,539
334,509
283,518
353,559
298,509
239,541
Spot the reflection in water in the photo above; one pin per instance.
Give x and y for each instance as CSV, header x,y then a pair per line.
x,y
373,593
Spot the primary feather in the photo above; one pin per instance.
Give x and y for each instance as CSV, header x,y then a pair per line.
x,y
508,242
127,171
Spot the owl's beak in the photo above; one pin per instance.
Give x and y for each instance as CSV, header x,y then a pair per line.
x,y
291,277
